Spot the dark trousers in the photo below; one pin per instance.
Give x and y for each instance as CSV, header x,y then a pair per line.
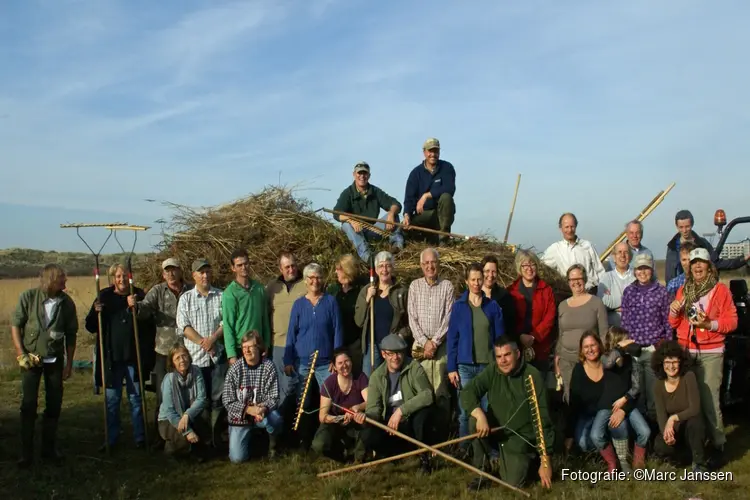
x,y
213,377
440,218
513,467
416,426
159,371
53,387
691,432
177,444
332,440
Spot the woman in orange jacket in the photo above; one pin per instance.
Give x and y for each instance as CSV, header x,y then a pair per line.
x,y
703,312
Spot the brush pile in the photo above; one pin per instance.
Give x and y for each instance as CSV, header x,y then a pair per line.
x,y
274,220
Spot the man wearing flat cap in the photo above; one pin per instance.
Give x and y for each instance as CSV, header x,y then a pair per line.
x,y
428,198
399,395
199,324
160,306
684,221
362,198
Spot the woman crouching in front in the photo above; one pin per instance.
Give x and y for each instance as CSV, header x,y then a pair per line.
x,y
181,425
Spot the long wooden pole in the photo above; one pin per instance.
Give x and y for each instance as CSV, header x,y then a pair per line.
x,y
372,319
402,455
399,224
512,209
436,452
641,217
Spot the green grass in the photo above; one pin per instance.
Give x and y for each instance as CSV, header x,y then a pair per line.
x,y
131,473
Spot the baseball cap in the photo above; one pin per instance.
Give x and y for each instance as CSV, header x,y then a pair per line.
x,y
643,260
431,143
362,167
700,254
199,264
170,262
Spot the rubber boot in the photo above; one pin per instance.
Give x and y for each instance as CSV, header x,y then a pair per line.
x,y
639,457
621,450
609,456
272,443
49,441
27,442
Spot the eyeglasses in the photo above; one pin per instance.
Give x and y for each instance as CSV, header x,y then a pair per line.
x,y
575,280
313,278
249,348
528,266
671,363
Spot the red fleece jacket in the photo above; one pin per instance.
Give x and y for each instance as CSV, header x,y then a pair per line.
x,y
543,315
720,308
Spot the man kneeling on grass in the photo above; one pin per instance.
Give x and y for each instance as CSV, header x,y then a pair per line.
x,y
181,423
504,384
399,395
251,397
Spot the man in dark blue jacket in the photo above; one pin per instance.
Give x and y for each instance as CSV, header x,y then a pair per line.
x,y
684,222
428,200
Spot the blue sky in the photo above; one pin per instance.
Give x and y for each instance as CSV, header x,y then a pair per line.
x,y
600,105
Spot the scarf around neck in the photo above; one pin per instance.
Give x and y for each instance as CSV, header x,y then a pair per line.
x,y
179,384
694,290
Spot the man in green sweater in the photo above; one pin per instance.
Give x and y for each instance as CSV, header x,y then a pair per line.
x,y
505,384
44,329
244,307
362,198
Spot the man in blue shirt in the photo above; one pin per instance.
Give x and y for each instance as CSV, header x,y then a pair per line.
x,y
428,200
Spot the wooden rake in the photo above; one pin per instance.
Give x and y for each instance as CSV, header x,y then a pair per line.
x,y
97,254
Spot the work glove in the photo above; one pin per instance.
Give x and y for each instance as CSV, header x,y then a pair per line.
x,y
29,360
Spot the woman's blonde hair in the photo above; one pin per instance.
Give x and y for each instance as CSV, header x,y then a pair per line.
x,y
348,265
114,267
49,275
525,256
614,336
177,347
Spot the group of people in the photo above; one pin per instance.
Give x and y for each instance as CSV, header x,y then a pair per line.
x,y
622,357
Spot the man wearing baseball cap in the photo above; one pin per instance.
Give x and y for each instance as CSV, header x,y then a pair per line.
x,y
428,198
160,306
684,222
362,198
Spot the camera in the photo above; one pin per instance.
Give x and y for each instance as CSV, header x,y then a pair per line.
x,y
693,313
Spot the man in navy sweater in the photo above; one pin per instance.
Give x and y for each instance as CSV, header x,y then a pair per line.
x,y
428,200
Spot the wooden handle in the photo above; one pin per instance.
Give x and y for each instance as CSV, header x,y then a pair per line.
x,y
310,375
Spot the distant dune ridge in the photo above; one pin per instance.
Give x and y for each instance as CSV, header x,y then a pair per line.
x,y
26,263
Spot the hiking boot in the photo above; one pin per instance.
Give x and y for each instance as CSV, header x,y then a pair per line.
x,y
27,442
272,445
425,464
479,483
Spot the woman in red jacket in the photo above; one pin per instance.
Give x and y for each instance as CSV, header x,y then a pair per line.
x,y
535,311
703,312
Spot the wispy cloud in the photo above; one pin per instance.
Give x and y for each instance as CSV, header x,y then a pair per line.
x,y
104,104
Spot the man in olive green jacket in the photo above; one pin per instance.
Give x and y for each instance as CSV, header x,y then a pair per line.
x,y
44,329
505,384
399,395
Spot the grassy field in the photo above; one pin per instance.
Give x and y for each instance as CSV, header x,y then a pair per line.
x,y
132,473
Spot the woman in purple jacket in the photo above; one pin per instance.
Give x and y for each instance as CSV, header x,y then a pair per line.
x,y
645,313
476,322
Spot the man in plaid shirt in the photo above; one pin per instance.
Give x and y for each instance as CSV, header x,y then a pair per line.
x,y
199,325
430,304
251,396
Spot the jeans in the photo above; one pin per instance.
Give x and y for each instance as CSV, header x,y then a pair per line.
x,y
301,371
213,378
466,373
640,427
239,436
360,239
648,378
114,396
591,432
284,381
367,369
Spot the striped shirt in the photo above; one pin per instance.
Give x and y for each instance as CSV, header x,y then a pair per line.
x,y
429,308
249,385
202,314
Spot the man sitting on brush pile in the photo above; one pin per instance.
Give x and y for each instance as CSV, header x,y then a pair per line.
x,y
430,188
362,198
